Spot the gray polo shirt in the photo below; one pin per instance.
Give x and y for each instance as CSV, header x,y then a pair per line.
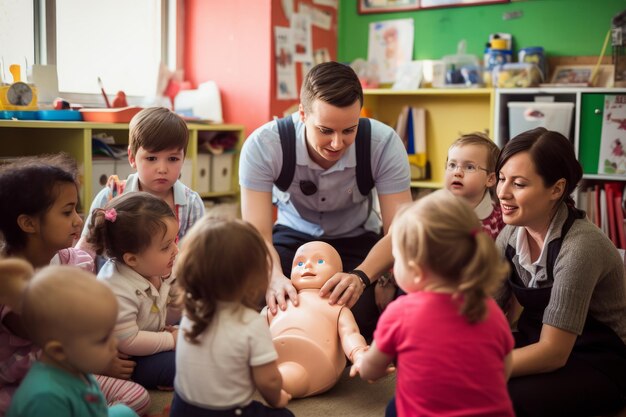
x,y
337,209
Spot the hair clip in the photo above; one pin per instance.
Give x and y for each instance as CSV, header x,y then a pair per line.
x,y
110,215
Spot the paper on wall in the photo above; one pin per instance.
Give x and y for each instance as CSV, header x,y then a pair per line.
x,y
287,8
320,18
301,35
329,3
285,65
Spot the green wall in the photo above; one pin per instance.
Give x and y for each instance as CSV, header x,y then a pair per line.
x,y
562,27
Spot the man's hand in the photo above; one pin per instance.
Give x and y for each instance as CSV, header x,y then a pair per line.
x,y
344,289
121,367
276,291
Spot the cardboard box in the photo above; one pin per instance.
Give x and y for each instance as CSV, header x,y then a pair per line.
x,y
101,170
203,173
221,172
186,174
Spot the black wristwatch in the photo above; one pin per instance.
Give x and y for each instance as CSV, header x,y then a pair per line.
x,y
362,276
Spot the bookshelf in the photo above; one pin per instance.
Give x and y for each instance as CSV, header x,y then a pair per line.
x,y
450,113
22,138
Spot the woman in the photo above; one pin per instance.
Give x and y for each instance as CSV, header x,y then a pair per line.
x,y
570,355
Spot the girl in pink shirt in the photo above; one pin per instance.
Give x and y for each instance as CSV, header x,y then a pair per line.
x,y
450,341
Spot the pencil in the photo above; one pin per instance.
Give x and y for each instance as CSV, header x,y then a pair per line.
x,y
104,94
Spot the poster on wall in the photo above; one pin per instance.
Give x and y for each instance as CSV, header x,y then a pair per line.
x,y
285,65
301,35
390,45
613,138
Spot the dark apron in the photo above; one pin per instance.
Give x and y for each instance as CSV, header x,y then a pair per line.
x,y
598,344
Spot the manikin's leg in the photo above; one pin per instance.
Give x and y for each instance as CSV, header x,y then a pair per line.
x,y
296,379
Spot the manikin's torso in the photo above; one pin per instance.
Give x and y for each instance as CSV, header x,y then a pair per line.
x,y
308,334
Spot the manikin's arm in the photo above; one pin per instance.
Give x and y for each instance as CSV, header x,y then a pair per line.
x,y
353,344
548,354
345,289
269,382
256,208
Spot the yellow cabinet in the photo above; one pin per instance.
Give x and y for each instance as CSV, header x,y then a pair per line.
x,y
20,138
450,113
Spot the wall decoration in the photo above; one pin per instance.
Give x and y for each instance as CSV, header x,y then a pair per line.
x,y
380,6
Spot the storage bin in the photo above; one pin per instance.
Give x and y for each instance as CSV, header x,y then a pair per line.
x,y
203,170
186,174
221,172
524,116
123,168
101,170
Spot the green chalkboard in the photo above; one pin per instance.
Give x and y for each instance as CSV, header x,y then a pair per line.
x,y
562,27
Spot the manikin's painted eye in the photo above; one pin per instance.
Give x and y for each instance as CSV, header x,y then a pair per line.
x,y
300,263
320,261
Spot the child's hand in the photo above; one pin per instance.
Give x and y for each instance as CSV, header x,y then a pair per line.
x,y
357,361
174,331
284,399
121,367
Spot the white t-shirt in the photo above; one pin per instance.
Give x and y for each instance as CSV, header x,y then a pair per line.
x,y
215,373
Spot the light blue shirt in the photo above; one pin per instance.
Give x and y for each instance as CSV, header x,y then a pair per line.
x,y
337,209
188,204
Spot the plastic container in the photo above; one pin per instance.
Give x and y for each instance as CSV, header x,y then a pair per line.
x,y
516,75
524,116
534,55
60,115
461,69
110,115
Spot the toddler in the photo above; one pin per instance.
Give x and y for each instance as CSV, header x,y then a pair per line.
x,y
470,174
225,350
450,341
157,145
38,219
70,316
137,232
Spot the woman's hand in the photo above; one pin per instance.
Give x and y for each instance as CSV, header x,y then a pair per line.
x,y
121,367
344,289
279,290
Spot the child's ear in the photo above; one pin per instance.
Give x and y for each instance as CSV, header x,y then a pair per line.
x,y
131,159
491,179
130,259
28,224
54,349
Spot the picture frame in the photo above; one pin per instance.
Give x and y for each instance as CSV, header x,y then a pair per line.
x,y
580,75
435,4
383,6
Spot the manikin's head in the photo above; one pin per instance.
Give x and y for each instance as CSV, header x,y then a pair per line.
x,y
71,316
314,264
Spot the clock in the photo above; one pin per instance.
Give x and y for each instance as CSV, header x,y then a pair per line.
x,y
19,95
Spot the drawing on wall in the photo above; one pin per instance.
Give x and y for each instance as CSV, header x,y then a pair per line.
x,y
390,45
613,138
285,65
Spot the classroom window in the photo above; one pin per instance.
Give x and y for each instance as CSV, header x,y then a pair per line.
x,y
17,36
122,42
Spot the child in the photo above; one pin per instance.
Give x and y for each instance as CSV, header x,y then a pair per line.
x,y
137,232
70,316
225,350
470,174
38,219
451,342
157,144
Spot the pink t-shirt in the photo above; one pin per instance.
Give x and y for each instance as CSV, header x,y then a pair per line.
x,y
446,366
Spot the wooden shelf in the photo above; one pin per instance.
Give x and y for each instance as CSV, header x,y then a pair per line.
x,y
32,137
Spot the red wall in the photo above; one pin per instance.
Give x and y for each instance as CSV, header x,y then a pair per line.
x,y
232,43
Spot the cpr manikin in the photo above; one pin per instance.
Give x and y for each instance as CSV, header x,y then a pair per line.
x,y
314,338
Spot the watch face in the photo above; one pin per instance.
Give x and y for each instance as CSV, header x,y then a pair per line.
x,y
20,94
